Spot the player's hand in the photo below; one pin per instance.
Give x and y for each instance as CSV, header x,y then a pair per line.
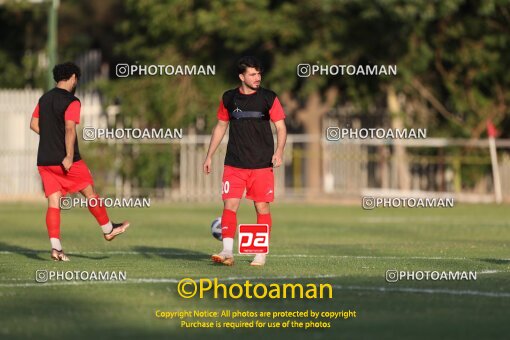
x,y
277,159
207,166
67,163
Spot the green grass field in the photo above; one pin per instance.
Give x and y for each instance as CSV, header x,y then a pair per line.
x,y
345,246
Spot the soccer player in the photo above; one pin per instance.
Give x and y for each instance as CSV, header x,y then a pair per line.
x,y
251,155
58,159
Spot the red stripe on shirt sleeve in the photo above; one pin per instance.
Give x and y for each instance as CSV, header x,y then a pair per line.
x,y
276,111
35,114
223,112
73,112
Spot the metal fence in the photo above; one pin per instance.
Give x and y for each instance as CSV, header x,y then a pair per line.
x,y
348,169
458,168
18,144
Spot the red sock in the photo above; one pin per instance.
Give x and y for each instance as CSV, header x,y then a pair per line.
x,y
265,219
228,223
53,222
97,209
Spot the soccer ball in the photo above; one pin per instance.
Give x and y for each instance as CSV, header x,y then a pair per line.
x,y
216,229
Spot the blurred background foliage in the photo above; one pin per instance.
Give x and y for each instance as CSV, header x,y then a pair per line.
x,y
452,59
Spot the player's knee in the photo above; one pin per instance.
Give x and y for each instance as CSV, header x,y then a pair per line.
x,y
231,205
91,195
53,204
89,192
262,207
54,201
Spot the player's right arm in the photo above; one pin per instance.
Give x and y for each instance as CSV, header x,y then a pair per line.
x,y
34,122
34,125
217,136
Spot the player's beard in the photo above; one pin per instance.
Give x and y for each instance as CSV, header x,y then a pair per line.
x,y
73,90
254,87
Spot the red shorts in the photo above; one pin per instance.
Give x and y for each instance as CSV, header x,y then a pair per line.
x,y
55,178
258,183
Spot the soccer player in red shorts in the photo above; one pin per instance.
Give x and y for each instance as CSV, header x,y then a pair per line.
x,y
58,159
251,156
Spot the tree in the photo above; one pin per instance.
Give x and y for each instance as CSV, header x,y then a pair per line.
x,y
439,48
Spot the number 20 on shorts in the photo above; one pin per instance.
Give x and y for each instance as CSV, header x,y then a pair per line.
x,y
225,187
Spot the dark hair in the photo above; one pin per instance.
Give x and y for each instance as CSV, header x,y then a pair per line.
x,y
65,71
248,61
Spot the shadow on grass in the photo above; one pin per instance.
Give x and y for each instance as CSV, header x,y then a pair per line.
x,y
40,255
496,261
171,253
184,254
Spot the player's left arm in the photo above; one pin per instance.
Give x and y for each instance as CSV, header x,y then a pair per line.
x,y
34,122
71,117
277,116
70,139
281,138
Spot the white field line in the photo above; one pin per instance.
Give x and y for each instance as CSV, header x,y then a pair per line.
x,y
381,289
271,255
158,280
